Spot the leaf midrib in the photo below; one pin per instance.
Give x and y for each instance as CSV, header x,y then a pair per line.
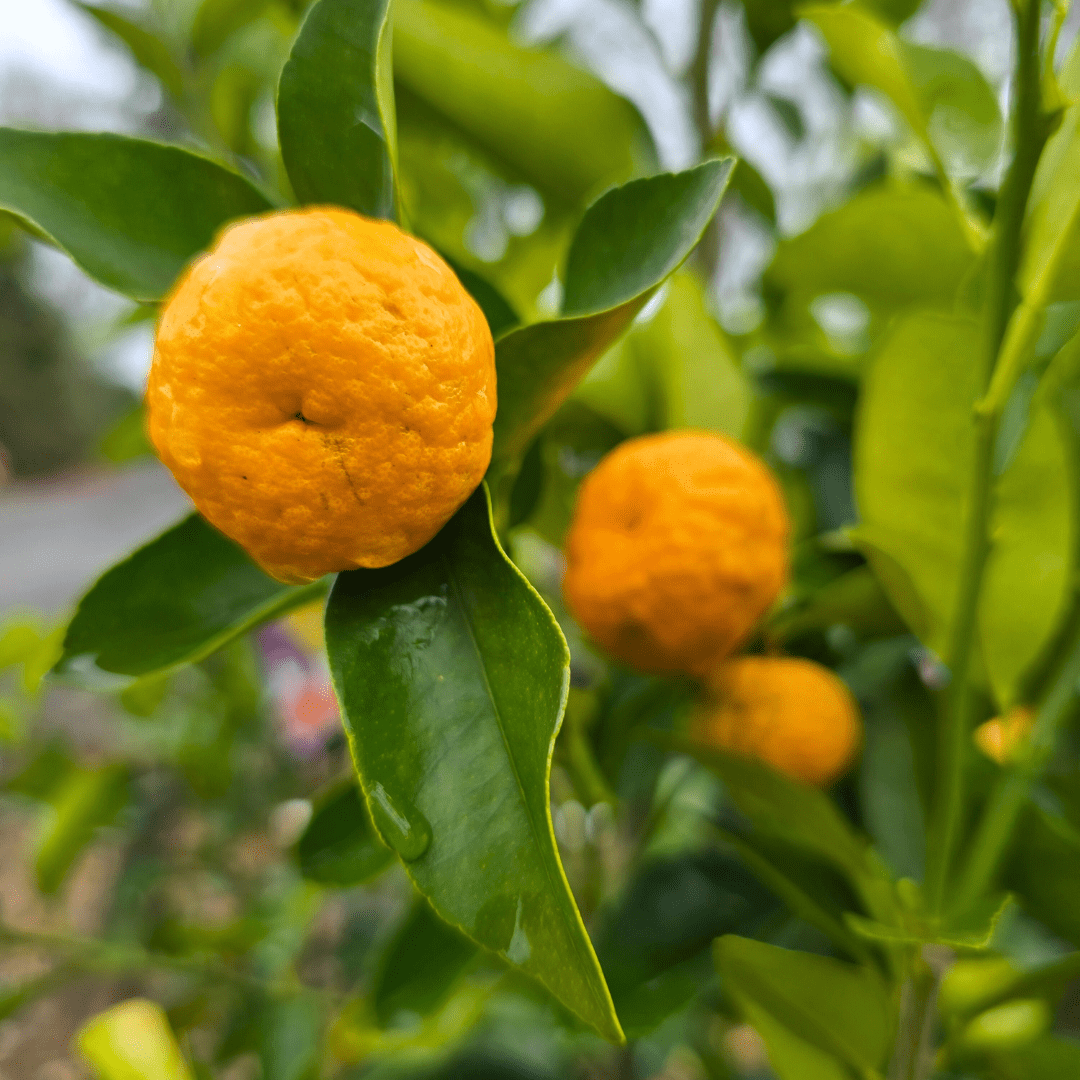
x,y
455,584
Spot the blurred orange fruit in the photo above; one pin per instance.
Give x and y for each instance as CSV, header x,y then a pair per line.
x,y
1001,738
677,546
323,388
790,713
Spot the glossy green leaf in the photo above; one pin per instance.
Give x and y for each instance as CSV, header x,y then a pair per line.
x,y
557,126
132,1041
148,50
420,965
914,449
453,676
340,846
217,20
629,241
80,803
173,601
131,213
335,104
676,371
941,94
841,1009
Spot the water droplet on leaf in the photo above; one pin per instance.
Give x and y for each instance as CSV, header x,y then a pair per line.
x,y
400,824
519,950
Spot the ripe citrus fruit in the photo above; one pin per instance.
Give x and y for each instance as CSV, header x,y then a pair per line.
x,y
793,714
323,388
677,545
1002,738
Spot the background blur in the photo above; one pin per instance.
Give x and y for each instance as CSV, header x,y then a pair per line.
x,y
78,488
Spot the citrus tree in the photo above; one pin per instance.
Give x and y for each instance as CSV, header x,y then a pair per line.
x,y
917,917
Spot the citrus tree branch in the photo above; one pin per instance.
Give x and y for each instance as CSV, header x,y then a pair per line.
x,y
1028,132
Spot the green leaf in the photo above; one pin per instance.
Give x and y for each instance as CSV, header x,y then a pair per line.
x,y
453,676
888,784
768,20
217,20
1007,1026
500,315
420,966
892,246
795,813
1049,267
126,439
974,931
841,1009
914,450
941,94
131,213
669,913
80,803
172,602
791,1058
132,1041
810,890
1044,872
290,1037
340,846
1049,1058
676,371
1028,583
855,598
560,128
149,51
335,108
629,241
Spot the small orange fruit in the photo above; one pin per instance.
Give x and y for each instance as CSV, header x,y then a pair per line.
x,y
323,388
793,714
1002,738
677,546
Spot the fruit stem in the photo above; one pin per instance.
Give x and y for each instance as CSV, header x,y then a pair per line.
x,y
1029,131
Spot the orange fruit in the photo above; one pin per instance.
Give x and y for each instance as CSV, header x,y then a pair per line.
x,y
677,546
323,388
1002,738
793,714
